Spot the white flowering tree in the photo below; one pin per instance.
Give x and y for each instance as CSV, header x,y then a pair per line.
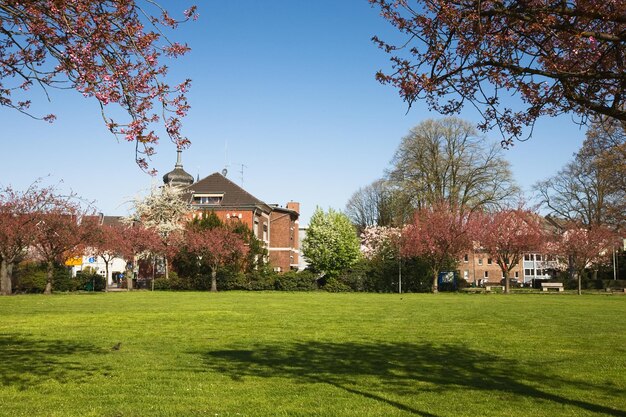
x,y
331,244
164,211
380,241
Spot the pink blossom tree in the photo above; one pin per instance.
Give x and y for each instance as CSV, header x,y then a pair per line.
x,y
217,247
555,56
139,243
507,234
59,234
583,248
440,234
111,50
107,242
18,220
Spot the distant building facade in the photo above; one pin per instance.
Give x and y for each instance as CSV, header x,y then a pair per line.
x,y
275,226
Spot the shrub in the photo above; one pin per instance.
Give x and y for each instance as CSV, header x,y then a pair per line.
x,y
174,283
90,281
228,280
30,278
296,281
613,283
261,280
335,285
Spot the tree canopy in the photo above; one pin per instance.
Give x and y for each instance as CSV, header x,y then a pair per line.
x,y
331,244
445,160
439,234
591,189
555,56
506,235
584,247
111,50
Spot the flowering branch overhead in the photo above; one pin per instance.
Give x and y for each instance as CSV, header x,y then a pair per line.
x,y
102,49
555,56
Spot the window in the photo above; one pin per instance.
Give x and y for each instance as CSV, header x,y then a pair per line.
x,y
539,272
480,261
207,199
489,262
528,272
527,257
466,275
486,274
516,274
538,257
466,258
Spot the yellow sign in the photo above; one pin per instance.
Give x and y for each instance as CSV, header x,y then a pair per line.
x,y
75,261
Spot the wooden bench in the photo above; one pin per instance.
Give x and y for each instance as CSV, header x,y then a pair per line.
x,y
545,286
488,287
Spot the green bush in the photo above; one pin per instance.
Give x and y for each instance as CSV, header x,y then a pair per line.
x,y
461,282
613,283
30,278
228,281
296,281
382,275
335,285
63,281
261,280
89,281
174,283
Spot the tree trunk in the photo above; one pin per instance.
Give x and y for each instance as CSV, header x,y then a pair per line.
x,y
5,278
49,278
106,275
214,279
571,267
580,282
507,284
167,271
435,284
129,279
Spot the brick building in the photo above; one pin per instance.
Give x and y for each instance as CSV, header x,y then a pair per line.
x,y
275,226
478,268
284,245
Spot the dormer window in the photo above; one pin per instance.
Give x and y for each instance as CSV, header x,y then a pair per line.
x,y
207,199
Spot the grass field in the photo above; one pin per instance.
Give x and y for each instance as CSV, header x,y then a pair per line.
x,y
312,354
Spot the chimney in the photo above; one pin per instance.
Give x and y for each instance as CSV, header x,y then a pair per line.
x,y
292,205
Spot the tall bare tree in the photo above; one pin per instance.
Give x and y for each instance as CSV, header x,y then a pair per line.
x,y
377,204
446,160
591,189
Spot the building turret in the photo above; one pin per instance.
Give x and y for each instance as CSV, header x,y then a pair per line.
x,y
178,177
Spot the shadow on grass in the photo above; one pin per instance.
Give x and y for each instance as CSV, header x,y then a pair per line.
x,y
25,362
392,372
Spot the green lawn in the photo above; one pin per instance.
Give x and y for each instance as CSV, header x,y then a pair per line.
x,y
312,354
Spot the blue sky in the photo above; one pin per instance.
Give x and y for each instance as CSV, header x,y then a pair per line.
x,y
285,88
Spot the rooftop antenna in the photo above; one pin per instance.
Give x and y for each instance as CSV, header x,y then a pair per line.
x,y
226,164
241,172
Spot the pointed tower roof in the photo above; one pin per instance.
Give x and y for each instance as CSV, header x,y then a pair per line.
x,y
178,177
